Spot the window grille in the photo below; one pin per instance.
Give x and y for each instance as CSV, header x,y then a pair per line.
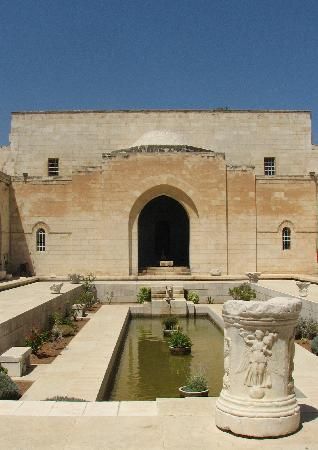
x,y
286,238
53,167
40,240
269,166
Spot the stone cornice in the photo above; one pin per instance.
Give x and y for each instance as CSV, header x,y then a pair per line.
x,y
153,149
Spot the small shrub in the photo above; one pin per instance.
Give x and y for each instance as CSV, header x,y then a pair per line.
x,y
144,295
170,322
62,398
196,383
243,292
179,340
193,297
314,345
8,388
3,370
36,339
210,300
306,329
86,299
89,296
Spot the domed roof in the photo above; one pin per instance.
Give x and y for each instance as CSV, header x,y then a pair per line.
x,y
160,137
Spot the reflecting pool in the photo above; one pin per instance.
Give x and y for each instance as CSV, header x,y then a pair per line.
x,y
147,370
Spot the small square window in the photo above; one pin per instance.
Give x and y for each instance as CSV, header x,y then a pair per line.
x,y
53,167
269,166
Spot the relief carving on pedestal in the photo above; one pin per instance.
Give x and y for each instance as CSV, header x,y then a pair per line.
x,y
256,361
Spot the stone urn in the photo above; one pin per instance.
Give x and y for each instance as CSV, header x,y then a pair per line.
x,y
215,272
253,277
303,288
75,278
185,393
258,398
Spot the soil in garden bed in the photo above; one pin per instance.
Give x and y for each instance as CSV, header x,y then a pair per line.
x,y
50,350
305,344
23,386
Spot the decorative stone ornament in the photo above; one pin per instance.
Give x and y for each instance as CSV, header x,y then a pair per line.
x,y
75,278
303,288
56,288
253,277
215,272
258,397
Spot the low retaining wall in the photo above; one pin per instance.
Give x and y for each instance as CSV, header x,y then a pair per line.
x,y
26,315
309,308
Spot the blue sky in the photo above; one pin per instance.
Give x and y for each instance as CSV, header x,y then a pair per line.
x,y
132,54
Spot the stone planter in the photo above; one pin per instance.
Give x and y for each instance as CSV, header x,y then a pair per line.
x,y
253,277
258,397
168,332
180,350
303,288
78,311
184,393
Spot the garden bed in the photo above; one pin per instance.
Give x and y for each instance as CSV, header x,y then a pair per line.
x,y
50,350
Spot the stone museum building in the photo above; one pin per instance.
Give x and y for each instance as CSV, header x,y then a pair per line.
x,y
118,192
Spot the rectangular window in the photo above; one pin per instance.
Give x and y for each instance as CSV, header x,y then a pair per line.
x,y
269,166
53,167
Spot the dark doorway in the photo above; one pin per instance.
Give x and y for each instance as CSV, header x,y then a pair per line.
x,y
163,233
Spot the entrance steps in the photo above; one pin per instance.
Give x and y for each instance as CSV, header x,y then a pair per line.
x,y
163,271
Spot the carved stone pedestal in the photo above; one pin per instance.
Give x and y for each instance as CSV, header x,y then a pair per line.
x,y
258,397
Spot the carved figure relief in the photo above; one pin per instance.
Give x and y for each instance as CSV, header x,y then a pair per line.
x,y
256,361
227,349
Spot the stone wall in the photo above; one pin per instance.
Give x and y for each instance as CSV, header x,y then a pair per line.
x,y
4,221
79,138
286,202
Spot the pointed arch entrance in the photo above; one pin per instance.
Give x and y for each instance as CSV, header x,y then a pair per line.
x,y
163,233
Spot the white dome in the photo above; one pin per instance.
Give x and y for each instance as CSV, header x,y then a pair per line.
x,y
160,137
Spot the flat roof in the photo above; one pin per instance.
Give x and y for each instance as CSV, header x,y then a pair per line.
x,y
88,111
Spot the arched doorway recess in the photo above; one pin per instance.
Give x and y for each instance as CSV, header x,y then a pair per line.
x,y
163,233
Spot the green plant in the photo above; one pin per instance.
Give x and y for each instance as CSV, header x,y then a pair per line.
x,y
170,322
243,292
109,297
64,398
3,370
144,295
196,383
210,300
179,340
306,329
88,296
314,345
193,297
36,339
8,388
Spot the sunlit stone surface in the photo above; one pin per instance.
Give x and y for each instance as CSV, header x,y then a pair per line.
x,y
258,397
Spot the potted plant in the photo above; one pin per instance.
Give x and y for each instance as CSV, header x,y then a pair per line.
x,y
170,325
197,386
179,343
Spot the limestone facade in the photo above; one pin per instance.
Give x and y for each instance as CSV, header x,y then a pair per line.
x,y
111,164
